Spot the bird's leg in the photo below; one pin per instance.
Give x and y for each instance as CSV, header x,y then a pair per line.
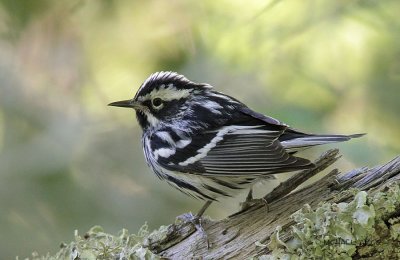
x,y
250,201
203,209
197,220
249,195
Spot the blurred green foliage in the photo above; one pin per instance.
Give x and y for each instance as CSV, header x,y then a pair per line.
x,y
69,162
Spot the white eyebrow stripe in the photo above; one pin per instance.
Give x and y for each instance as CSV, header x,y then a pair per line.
x,y
160,75
166,93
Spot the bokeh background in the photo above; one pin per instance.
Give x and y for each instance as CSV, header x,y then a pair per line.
x,y
67,161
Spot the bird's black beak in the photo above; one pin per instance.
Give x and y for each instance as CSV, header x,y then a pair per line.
x,y
124,103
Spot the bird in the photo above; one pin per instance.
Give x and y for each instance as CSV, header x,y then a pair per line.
x,y
210,145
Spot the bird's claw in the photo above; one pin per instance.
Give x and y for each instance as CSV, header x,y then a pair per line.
x,y
251,202
197,222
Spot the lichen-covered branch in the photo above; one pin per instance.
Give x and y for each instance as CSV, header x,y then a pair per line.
x,y
284,230
344,216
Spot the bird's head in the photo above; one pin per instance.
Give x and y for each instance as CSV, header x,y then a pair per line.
x,y
163,98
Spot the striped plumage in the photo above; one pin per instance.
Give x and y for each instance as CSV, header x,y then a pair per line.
x,y
210,145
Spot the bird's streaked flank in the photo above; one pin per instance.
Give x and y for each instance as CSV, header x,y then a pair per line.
x,y
210,145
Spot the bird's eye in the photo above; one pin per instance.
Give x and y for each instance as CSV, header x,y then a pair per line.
x,y
157,102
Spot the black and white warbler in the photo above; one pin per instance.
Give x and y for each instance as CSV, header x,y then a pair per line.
x,y
210,145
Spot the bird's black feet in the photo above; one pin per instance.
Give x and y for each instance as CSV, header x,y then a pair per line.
x,y
197,222
249,203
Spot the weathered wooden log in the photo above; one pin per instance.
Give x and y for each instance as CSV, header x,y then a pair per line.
x,y
354,215
279,230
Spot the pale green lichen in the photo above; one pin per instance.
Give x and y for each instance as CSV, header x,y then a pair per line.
x,y
96,244
364,226
387,202
342,230
158,235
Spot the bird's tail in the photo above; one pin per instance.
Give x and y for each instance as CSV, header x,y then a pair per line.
x,y
293,140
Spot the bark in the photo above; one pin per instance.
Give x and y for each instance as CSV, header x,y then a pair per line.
x,y
340,215
355,215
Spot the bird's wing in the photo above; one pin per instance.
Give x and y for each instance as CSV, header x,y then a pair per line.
x,y
248,145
